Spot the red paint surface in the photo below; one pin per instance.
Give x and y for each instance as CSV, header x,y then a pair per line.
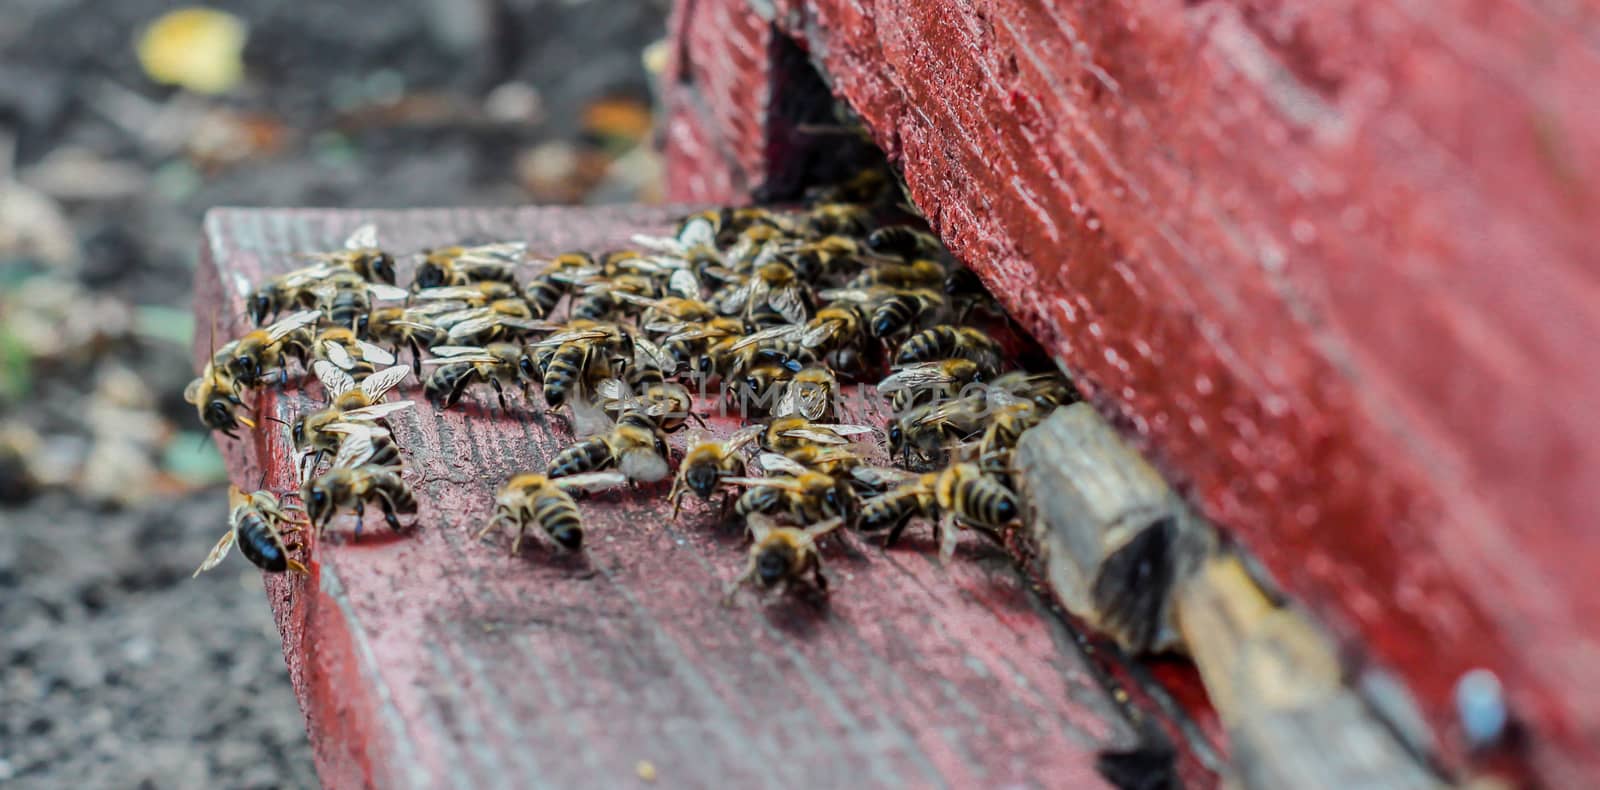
x,y
430,659
1331,266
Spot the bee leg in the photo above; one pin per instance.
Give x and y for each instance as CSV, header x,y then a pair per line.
x,y
949,533
499,392
361,515
388,514
733,586
516,542
697,418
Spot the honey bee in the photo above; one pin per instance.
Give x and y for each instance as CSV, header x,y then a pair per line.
x,y
615,297
780,555
349,353
363,444
961,496
699,347
835,219
352,488
951,342
362,256
264,529
905,242
634,446
773,285
216,399
670,313
498,364
502,319
759,389
969,497
1045,390
894,509
583,350
903,310
246,359
558,277
345,299
705,465
833,327
787,434
807,497
666,404
918,274
924,381
402,328
292,289
349,402
1005,426
809,394
929,429
450,266
532,499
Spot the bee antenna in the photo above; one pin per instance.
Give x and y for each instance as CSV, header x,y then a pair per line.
x,y
273,419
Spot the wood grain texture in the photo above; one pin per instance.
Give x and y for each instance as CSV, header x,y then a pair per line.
x,y
1330,266
432,660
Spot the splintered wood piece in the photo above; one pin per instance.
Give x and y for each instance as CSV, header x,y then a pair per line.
x,y
429,659
1277,683
1114,537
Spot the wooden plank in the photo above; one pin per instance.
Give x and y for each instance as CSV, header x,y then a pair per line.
x,y
1329,267
428,659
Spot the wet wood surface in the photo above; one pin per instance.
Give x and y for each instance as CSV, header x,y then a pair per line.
x,y
432,659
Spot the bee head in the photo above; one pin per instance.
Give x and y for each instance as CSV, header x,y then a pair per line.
x,y
773,563
319,502
260,306
382,265
702,480
297,432
218,415
896,439
429,275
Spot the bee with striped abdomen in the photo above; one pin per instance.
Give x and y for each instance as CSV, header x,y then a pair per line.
x,y
535,500
457,265
264,530
781,555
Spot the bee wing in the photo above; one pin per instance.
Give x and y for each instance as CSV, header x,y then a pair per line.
x,y
334,380
786,483
455,351
299,278
649,355
788,405
776,463
362,238
387,292
790,303
577,334
375,411
591,481
191,393
881,477
634,298
526,324
612,390
339,356
646,466
734,299
922,374
761,526
281,328
808,400
742,437
822,332
470,327
503,252
852,295
783,332
377,384
821,528
357,447
587,418
658,243
480,357
465,293
816,434
218,553
377,355
684,283
844,430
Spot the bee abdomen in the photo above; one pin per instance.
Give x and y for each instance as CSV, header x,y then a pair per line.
x,y
987,502
930,344
560,519
563,371
761,499
585,456
542,295
893,315
260,543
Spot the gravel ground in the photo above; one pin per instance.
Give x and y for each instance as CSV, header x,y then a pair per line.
x,y
118,669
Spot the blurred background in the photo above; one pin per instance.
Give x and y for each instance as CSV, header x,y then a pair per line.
x,y
120,124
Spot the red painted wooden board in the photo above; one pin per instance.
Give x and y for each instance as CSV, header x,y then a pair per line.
x,y
429,659
1331,265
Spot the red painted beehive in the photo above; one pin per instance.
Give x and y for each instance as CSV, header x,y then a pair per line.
x,y
1330,266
